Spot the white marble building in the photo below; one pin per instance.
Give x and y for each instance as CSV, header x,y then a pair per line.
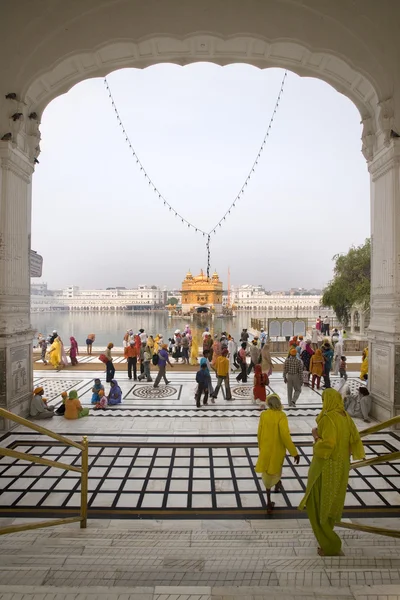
x,y
353,45
74,298
255,298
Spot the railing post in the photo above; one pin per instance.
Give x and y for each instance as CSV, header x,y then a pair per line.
x,y
84,481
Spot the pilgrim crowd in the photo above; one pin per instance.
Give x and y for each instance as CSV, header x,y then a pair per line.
x,y
308,362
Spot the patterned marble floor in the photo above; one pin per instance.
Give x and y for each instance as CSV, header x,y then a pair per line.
x,y
181,477
164,457
177,399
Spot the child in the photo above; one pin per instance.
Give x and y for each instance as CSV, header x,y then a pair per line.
x,y
343,367
203,381
260,382
102,401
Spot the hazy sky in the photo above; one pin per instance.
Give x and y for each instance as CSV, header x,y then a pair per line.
x,y
197,130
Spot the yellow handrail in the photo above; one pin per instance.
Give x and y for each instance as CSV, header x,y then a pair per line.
x,y
367,463
380,426
377,460
83,470
368,529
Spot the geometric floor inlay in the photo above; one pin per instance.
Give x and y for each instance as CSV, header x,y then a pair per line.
x,y
173,478
166,391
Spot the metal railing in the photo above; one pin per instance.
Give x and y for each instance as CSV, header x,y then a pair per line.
x,y
370,462
83,470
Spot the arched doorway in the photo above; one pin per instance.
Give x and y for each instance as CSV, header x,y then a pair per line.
x,y
354,47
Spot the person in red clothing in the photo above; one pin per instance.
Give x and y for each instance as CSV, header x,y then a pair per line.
x,y
132,357
261,380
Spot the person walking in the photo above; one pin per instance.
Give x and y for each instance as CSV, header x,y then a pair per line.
x,y
147,356
305,357
335,439
326,326
316,368
273,441
343,368
261,380
132,357
185,348
327,353
263,338
241,360
293,376
266,360
73,351
163,359
222,370
232,350
203,383
110,369
314,339
255,356
43,350
337,356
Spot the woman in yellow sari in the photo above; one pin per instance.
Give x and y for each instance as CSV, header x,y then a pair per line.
x,y
194,352
364,365
336,438
55,353
273,441
156,345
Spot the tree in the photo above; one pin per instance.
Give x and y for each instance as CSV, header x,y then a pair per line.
x,y
351,284
172,301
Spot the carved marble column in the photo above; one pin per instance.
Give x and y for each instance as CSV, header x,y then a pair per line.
x,y
352,315
16,333
384,328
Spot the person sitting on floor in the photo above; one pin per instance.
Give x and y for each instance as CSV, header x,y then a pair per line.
x,y
102,403
38,408
73,408
61,409
115,393
358,405
98,386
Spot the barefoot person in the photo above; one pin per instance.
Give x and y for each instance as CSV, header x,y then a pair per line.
x,y
273,441
163,359
336,438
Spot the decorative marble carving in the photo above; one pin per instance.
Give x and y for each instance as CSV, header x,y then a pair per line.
x,y
368,138
386,118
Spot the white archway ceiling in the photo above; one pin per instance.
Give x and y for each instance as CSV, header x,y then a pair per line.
x,y
47,46
206,48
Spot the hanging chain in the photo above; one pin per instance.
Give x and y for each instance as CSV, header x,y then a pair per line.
x,y
165,201
208,256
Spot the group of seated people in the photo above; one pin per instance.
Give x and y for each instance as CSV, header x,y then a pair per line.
x,y
71,408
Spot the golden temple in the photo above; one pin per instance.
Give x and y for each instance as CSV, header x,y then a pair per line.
x,y
201,293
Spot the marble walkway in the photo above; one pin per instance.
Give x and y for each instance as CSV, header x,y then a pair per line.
x,y
157,454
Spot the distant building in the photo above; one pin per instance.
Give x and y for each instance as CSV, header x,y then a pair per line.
x,y
119,298
201,293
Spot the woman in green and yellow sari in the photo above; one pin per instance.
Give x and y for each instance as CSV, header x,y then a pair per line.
x,y
336,438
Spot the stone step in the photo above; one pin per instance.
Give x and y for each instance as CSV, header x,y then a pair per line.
x,y
20,592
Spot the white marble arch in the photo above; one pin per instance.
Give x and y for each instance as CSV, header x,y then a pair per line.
x,y
45,49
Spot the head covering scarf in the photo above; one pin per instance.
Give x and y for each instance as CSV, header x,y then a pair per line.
x,y
274,402
38,390
203,361
73,395
293,352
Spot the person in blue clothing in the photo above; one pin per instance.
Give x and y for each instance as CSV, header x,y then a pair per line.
x,y
327,353
203,382
115,394
98,386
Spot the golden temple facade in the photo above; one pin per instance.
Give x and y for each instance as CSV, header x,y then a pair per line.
x,y
201,293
